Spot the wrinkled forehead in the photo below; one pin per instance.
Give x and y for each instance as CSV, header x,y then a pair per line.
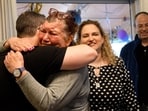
x,y
53,25
49,25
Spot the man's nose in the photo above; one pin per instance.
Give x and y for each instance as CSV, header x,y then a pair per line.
x,y
144,27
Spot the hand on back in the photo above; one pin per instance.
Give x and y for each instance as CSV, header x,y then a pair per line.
x,y
18,44
13,60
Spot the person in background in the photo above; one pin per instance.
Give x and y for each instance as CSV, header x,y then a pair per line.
x,y
135,56
70,88
111,88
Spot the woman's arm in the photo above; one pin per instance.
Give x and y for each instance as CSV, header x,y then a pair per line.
x,y
78,56
18,44
64,88
75,57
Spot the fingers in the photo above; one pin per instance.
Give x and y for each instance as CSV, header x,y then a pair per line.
x,y
20,44
13,56
13,60
9,60
10,57
22,47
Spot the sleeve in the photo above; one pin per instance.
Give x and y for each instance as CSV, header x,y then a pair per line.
x,y
124,54
44,61
129,98
2,48
130,94
59,92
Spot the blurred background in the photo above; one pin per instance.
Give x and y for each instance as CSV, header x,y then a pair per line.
x,y
116,16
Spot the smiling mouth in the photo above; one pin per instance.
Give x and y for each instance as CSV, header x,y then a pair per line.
x,y
92,44
145,34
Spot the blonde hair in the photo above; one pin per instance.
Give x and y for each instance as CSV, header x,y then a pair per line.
x,y
106,50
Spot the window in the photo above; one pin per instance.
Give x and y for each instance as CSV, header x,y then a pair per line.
x,y
115,18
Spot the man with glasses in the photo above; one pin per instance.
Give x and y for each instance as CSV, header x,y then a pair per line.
x,y
70,89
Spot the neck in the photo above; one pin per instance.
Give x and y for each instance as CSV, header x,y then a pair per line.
x,y
32,40
144,42
97,62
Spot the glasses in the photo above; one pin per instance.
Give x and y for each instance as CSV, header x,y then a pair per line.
x,y
58,14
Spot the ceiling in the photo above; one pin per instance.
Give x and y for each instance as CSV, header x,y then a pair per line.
x,y
77,1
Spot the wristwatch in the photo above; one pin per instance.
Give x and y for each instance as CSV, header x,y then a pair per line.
x,y
18,72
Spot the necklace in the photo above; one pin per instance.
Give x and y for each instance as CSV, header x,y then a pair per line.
x,y
96,71
97,76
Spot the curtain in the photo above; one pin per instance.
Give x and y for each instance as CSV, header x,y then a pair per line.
x,y
8,15
143,5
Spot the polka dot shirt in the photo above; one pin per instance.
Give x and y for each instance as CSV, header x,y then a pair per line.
x,y
112,90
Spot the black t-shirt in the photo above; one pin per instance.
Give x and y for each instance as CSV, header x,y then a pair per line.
x,y
41,62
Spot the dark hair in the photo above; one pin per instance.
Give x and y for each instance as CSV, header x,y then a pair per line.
x,y
67,17
28,22
139,13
